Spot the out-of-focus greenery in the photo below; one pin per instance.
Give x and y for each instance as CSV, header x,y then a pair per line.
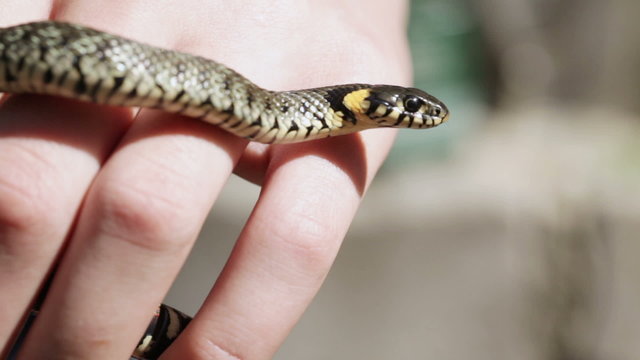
x,y
448,63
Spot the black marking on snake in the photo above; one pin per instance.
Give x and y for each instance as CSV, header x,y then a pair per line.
x,y
160,99
163,92
25,35
411,120
323,122
32,70
179,95
133,93
93,93
309,129
21,63
229,113
293,127
7,73
371,113
276,124
48,76
253,134
80,87
43,52
336,96
284,108
63,78
184,107
257,122
400,118
230,110
207,102
372,108
117,83
63,41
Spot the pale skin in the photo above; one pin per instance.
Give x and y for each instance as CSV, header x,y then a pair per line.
x,y
117,197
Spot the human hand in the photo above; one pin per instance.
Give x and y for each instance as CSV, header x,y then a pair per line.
x,y
118,198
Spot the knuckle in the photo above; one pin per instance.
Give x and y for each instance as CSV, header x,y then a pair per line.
x,y
308,242
20,207
154,220
201,347
26,201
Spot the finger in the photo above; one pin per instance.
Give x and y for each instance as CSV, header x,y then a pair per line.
x,y
16,12
34,141
285,251
138,222
309,197
141,217
37,144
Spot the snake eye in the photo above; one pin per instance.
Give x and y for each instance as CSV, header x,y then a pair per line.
x,y
412,104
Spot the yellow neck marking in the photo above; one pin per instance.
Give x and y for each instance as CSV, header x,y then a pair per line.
x,y
355,100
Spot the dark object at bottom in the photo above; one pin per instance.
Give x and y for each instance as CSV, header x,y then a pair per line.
x,y
166,325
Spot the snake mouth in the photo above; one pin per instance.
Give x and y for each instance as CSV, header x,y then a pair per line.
x,y
430,122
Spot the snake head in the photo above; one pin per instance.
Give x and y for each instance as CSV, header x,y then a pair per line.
x,y
395,106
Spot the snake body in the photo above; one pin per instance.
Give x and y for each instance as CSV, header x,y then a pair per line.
x,y
81,63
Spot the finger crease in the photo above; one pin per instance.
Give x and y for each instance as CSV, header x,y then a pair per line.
x,y
220,353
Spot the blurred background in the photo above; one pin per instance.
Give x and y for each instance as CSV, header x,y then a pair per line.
x,y
523,241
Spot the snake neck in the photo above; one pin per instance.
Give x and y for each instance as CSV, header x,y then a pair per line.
x,y
289,116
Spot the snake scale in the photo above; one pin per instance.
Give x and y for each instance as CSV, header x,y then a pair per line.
x,y
85,64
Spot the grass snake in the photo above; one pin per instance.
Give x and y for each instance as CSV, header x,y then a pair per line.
x,y
81,63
